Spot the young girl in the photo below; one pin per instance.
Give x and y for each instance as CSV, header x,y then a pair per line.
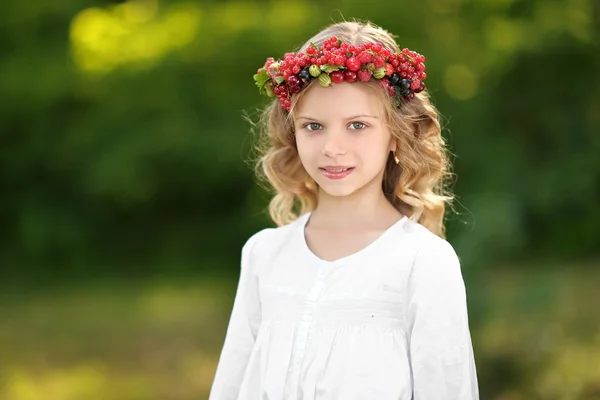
x,y
360,296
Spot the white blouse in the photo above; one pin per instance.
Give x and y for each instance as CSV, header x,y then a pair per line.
x,y
388,322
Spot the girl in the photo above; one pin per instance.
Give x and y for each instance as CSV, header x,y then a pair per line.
x,y
360,296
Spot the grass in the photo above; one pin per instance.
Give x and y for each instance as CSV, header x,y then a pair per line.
x,y
537,338
113,341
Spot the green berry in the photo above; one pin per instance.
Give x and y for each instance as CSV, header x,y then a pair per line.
x,y
324,80
315,70
379,72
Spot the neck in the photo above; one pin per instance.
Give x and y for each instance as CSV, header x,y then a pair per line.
x,y
366,207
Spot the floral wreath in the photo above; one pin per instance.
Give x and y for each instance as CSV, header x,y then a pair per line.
x,y
400,74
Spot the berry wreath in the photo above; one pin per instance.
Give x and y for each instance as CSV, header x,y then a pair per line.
x,y
336,62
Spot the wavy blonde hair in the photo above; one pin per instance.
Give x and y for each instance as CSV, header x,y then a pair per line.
x,y
416,187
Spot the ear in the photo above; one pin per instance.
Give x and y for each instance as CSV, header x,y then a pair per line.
x,y
393,143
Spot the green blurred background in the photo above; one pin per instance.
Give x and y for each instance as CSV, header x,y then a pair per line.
x,y
126,193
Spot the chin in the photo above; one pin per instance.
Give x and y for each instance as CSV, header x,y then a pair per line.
x,y
337,190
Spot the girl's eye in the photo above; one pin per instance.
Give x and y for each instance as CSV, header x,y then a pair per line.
x,y
313,126
357,125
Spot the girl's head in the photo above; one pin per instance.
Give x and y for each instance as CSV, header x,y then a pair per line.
x,y
360,127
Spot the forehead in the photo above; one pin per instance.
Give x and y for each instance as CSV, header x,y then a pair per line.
x,y
339,101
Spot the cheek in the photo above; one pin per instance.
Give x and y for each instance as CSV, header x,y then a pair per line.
x,y
373,151
305,148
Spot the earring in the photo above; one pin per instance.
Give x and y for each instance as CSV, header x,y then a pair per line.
x,y
396,159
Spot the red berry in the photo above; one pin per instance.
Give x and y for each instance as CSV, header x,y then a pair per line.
x,y
391,91
295,69
389,69
353,64
420,88
365,57
423,75
378,61
420,67
415,84
384,83
337,76
338,60
376,47
293,80
364,75
350,76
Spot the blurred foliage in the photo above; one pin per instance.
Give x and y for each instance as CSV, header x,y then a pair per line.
x,y
123,142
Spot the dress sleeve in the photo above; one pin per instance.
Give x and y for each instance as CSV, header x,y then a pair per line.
x,y
241,332
440,348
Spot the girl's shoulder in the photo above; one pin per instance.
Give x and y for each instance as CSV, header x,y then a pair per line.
x,y
426,242
271,238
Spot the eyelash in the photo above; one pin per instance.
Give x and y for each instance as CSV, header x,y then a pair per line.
x,y
351,123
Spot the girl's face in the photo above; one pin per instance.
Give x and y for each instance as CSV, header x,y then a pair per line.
x,y
342,140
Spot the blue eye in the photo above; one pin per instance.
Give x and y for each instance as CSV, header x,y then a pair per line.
x,y
357,125
313,126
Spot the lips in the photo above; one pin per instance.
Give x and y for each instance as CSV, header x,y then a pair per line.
x,y
335,169
336,172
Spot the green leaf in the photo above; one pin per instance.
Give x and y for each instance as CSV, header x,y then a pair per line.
x,y
269,89
261,79
329,68
279,79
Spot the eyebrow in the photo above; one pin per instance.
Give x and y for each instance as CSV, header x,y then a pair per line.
x,y
347,119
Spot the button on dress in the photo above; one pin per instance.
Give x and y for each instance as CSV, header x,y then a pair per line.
x,y
388,322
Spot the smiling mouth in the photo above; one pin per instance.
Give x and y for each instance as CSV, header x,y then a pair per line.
x,y
336,173
336,169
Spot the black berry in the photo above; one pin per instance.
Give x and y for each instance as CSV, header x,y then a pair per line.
x,y
395,78
305,74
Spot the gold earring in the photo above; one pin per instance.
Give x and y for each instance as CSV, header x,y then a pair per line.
x,y
396,159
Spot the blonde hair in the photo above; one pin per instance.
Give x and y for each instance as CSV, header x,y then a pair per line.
x,y
416,186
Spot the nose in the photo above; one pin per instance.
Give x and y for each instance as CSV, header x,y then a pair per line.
x,y
334,144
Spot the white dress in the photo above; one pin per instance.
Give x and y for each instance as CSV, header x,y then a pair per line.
x,y
386,323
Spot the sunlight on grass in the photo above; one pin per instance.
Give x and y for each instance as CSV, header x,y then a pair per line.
x,y
80,382
114,341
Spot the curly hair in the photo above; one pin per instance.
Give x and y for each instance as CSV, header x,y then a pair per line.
x,y
416,186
